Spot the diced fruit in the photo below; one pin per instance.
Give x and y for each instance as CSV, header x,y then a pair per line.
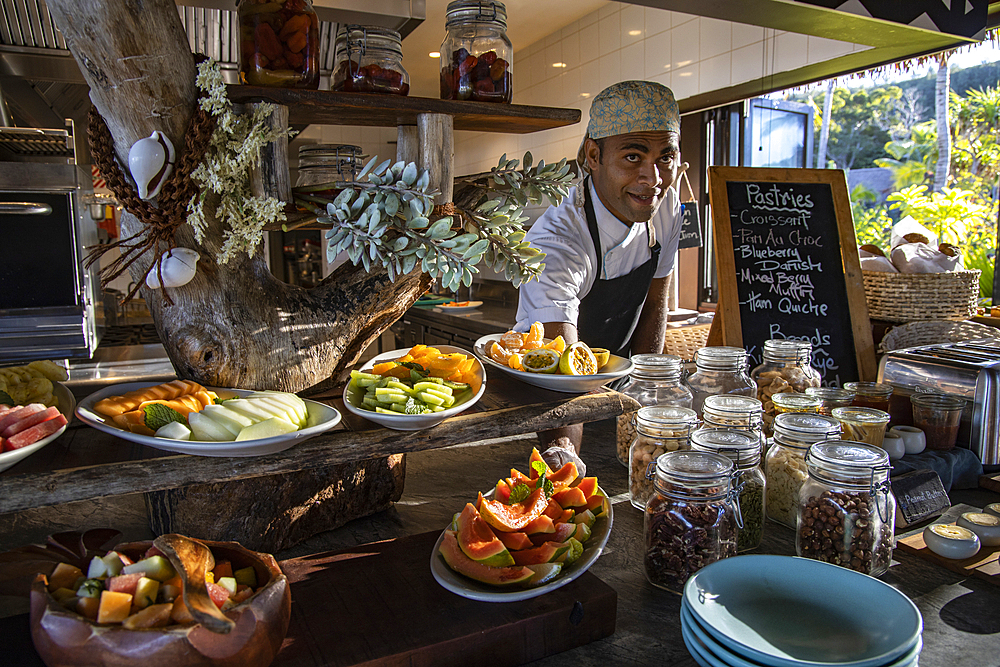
x,y
114,607
478,541
546,553
64,576
497,576
246,576
544,573
98,569
586,517
205,429
219,594
169,593
179,613
90,588
123,583
231,420
511,518
88,606
268,428
63,593
223,568
154,567
229,583
173,431
243,593
153,616
114,563
145,592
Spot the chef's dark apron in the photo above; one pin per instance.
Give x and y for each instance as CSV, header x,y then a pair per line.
x,y
610,311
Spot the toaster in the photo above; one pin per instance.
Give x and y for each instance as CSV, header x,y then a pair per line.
x,y
970,370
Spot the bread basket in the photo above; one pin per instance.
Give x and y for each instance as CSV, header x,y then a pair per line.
x,y
909,297
684,341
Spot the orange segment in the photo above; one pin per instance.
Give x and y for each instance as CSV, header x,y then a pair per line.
x,y
558,344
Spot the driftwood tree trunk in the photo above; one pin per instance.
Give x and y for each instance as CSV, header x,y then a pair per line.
x,y
234,325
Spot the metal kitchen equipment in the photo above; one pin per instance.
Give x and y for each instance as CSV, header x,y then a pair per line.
x,y
971,370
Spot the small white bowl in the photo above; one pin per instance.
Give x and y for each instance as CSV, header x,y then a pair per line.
x,y
985,526
894,446
913,438
992,508
951,541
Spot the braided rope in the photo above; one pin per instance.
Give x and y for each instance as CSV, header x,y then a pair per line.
x,y
162,221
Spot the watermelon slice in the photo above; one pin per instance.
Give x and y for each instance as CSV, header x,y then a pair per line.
x,y
17,413
30,436
29,421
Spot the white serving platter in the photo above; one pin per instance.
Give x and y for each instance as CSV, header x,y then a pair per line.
x,y
472,305
617,367
321,418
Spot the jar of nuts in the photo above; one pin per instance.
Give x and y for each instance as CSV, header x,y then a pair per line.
x,y
846,513
785,463
369,59
719,370
659,429
740,413
476,54
743,449
655,380
691,520
830,398
785,368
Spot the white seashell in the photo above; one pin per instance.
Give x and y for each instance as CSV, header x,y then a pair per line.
x,y
151,160
178,268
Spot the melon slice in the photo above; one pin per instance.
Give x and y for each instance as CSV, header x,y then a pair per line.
x,y
478,541
495,576
546,553
544,573
512,518
515,540
563,531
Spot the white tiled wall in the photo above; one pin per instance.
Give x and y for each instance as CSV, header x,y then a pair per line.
x,y
690,54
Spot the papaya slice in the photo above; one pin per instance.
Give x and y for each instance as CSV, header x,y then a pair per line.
x,y
554,510
563,531
546,553
542,524
502,491
564,476
570,497
519,477
597,504
566,516
512,518
535,456
478,541
516,541
588,485
495,576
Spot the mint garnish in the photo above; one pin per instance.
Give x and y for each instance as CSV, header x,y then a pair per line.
x,y
519,493
159,415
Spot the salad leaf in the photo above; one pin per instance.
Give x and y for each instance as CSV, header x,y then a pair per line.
x,y
158,415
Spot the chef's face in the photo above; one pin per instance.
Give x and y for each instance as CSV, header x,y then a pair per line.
x,y
631,172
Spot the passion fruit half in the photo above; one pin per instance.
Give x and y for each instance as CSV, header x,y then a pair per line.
x,y
578,359
540,360
602,355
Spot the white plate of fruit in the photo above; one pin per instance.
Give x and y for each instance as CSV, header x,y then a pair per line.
x,y
206,421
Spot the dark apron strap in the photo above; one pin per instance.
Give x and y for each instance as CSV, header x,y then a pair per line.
x,y
610,312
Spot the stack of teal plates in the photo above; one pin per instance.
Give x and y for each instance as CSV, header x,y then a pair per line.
x,y
782,611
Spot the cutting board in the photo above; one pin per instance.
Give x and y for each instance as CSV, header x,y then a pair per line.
x,y
984,565
990,482
379,604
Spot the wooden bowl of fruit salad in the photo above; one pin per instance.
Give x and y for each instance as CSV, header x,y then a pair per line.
x,y
128,607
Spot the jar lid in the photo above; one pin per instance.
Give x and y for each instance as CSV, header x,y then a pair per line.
x,y
721,357
804,427
938,401
787,349
830,393
869,388
861,415
689,466
476,11
353,38
657,365
847,454
741,447
330,155
732,404
658,416
791,400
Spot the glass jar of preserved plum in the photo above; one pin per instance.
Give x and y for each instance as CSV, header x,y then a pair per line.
x,y
279,43
476,53
691,519
369,59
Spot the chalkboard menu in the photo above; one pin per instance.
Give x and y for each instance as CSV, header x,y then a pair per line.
x,y
788,266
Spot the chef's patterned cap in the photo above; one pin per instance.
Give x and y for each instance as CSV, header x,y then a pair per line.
x,y
633,106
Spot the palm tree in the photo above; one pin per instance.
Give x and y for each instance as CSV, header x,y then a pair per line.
x,y
941,93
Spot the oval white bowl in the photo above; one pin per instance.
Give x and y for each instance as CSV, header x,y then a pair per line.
x,y
955,544
980,524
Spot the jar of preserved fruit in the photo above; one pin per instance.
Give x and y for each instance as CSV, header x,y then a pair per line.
x,y
870,394
830,398
369,59
791,401
659,429
743,449
279,43
719,370
476,53
691,519
328,164
654,380
786,367
739,413
846,513
785,463
863,424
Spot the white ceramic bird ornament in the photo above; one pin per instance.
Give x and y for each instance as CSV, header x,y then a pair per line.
x,y
151,160
177,268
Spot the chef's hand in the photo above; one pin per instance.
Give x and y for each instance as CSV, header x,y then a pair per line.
x,y
561,452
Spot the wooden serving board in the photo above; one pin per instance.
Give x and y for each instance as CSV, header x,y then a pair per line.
x,y
990,482
379,604
984,565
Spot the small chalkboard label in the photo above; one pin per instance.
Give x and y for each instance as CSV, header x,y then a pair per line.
x,y
920,495
690,226
788,267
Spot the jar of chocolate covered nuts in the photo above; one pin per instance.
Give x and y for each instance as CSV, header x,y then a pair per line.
x,y
655,380
719,370
785,368
691,519
846,513
659,429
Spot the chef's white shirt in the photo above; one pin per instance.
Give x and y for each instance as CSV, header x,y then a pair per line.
x,y
571,258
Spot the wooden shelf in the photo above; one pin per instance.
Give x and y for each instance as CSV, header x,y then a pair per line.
x,y
330,108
